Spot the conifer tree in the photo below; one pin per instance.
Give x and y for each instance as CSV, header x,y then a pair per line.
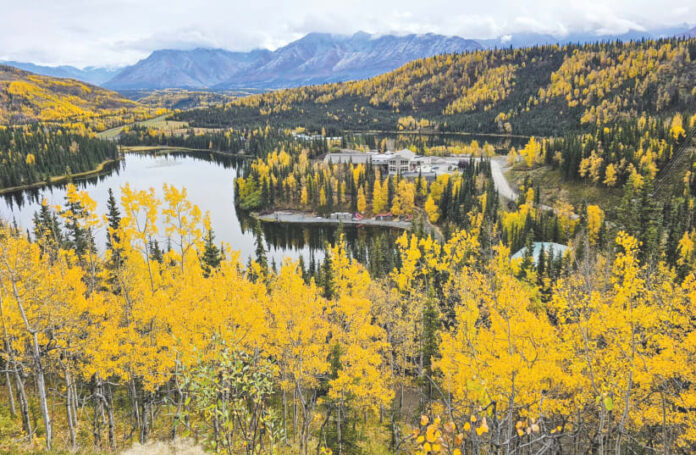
x,y
211,254
260,251
327,278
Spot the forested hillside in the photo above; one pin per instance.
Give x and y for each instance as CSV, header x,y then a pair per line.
x,y
28,98
547,90
47,126
35,154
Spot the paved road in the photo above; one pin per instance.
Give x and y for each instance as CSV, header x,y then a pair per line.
x,y
498,164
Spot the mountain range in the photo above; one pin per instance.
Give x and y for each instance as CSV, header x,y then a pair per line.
x,y
316,58
91,74
519,40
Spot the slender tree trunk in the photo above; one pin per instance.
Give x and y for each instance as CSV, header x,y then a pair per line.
x,y
511,410
320,433
108,405
97,405
10,392
338,429
179,401
285,416
216,433
68,404
627,397
665,433
10,360
294,415
8,381
144,420
23,403
41,385
136,405
177,415
74,402
38,368
624,416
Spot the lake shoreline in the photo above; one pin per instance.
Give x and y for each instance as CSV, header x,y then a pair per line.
x,y
299,217
58,179
136,149
167,149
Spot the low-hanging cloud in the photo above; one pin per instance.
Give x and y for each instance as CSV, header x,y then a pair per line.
x,y
118,32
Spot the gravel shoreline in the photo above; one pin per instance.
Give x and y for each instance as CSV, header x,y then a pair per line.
x,y
307,218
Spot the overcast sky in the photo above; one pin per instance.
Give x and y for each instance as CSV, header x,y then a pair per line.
x,y
119,32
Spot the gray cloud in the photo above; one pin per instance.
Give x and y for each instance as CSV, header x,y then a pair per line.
x,y
117,32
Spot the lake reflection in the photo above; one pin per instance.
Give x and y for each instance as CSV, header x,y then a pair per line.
x,y
209,181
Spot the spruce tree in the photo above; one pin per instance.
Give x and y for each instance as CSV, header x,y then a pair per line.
x,y
211,254
327,278
113,216
261,258
156,253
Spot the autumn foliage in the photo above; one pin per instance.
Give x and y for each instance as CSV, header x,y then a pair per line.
x,y
248,360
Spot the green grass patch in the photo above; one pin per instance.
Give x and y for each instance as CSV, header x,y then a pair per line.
x,y
553,188
161,123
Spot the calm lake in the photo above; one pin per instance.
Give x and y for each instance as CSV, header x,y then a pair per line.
x,y
209,180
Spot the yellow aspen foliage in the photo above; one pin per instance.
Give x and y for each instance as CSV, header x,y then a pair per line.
x,y
361,342
484,363
396,208
686,249
512,157
362,203
677,127
590,167
379,202
532,152
404,199
595,220
610,175
304,196
432,210
322,197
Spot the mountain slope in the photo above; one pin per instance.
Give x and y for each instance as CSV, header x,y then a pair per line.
x,y
91,74
319,58
316,58
534,91
195,69
26,97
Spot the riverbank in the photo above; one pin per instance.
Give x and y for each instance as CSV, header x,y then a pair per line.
x,y
61,178
283,216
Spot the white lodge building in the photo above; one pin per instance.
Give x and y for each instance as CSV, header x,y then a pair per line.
x,y
403,162
400,162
